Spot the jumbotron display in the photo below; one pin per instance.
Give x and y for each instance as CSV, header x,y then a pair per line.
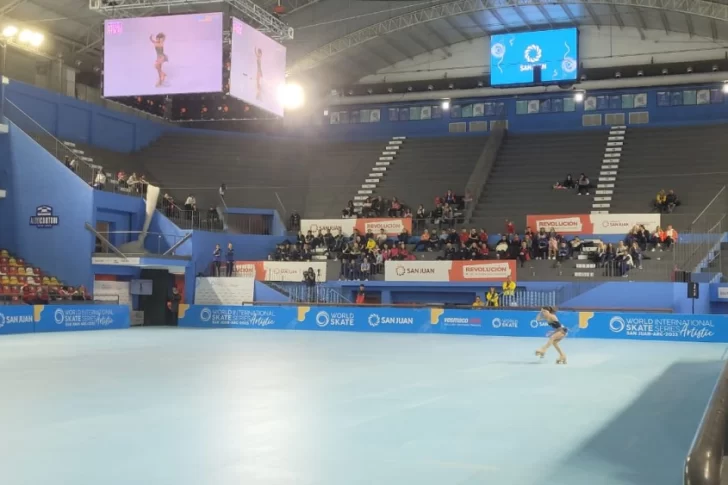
x,y
257,68
175,54
513,57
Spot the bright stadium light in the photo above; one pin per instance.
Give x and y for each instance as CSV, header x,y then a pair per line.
x,y
10,31
579,97
293,96
446,105
725,87
30,37
36,39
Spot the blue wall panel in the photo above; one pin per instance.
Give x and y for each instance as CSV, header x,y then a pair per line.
x,y
72,120
39,179
121,212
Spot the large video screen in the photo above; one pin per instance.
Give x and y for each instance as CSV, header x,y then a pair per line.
x,y
513,57
173,54
257,68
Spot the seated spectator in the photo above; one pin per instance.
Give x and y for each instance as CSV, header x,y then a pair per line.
x,y
478,303
660,201
562,254
553,248
448,216
407,212
623,259
484,251
395,208
502,248
606,254
424,242
121,179
568,182
671,201
365,269
510,227
583,185
576,245
670,237
492,298
403,236
542,244
449,253
294,223
382,238
524,254
420,218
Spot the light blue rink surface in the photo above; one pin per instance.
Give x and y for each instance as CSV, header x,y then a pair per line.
x,y
214,407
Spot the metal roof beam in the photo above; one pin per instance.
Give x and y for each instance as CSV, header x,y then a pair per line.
x,y
700,8
474,18
500,19
617,16
691,28
396,49
546,15
568,12
665,22
10,7
594,17
714,29
457,29
296,5
642,22
523,17
437,35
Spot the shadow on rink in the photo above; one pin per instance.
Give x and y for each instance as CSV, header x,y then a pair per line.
x,y
647,443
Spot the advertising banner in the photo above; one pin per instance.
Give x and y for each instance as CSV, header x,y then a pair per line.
x,y
592,223
503,323
61,318
291,271
392,226
464,271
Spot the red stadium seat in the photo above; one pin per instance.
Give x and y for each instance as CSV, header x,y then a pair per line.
x,y
22,280
21,262
3,269
15,289
13,271
4,261
36,271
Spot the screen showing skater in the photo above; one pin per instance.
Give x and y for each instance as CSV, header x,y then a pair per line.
x,y
258,68
174,54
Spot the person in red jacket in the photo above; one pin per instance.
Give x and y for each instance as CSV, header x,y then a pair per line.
x,y
361,295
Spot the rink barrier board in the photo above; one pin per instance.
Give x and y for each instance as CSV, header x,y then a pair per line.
x,y
500,323
16,319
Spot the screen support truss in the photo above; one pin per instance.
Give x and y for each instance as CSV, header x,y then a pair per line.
x,y
262,19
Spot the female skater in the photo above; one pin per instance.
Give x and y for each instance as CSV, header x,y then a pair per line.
x,y
161,56
548,314
259,75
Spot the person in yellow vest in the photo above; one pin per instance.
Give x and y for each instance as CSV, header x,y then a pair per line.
x,y
660,200
509,292
509,287
478,303
492,297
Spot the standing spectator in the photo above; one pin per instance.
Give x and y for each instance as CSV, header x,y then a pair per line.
x,y
424,242
100,180
216,260
190,205
524,254
295,222
583,184
365,268
361,295
309,278
173,305
510,228
420,217
230,260
660,200
509,287
67,161
221,191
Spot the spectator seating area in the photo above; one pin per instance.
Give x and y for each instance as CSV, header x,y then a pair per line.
x,y
426,168
526,169
20,281
687,159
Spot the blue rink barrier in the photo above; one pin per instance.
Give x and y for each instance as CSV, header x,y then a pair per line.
x,y
62,318
503,323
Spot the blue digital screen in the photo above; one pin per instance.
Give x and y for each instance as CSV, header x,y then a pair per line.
x,y
513,57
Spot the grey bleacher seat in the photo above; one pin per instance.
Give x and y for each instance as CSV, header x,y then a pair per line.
x,y
258,171
688,159
525,171
337,172
427,167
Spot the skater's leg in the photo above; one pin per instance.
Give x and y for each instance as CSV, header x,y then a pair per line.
x,y
540,352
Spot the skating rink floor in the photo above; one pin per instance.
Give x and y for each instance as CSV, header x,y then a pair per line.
x,y
248,407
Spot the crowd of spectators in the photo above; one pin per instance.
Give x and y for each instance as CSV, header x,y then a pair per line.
x,y
447,208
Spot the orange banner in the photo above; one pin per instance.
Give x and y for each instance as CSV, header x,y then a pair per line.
x,y
457,271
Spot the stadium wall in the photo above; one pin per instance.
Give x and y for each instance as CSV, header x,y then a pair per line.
x,y
37,179
659,114
72,120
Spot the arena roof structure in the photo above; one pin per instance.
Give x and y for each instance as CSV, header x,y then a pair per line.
x,y
340,41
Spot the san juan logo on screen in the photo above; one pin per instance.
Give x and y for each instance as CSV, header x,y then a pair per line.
x,y
44,218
